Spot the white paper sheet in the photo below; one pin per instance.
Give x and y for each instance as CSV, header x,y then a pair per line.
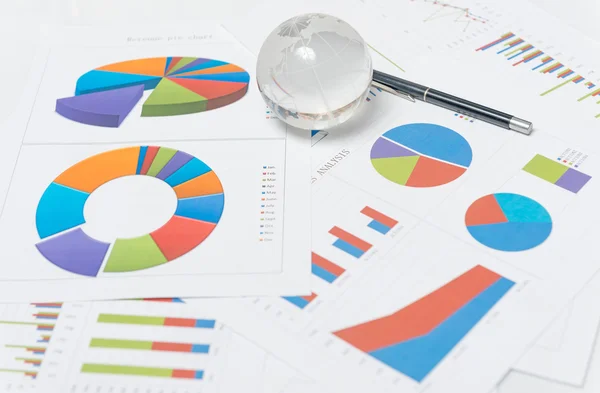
x,y
564,351
254,238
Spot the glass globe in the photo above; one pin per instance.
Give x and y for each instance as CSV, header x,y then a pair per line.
x,y
314,71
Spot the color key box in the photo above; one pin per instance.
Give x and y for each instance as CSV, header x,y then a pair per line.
x,y
553,172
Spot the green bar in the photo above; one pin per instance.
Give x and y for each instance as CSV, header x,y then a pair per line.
x,y
122,344
597,116
131,319
26,347
588,95
21,323
556,87
516,50
126,370
382,55
8,370
29,359
547,68
545,168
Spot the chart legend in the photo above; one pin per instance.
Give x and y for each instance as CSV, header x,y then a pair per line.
x,y
349,243
556,173
380,222
180,85
416,338
325,269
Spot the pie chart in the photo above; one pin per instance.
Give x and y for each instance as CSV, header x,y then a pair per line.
x,y
421,155
60,219
180,85
508,222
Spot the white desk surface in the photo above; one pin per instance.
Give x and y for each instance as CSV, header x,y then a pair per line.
x,y
18,28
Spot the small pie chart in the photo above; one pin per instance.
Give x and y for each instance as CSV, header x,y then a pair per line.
x,y
421,155
508,222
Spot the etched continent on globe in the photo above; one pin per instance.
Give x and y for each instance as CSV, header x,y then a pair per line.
x,y
314,71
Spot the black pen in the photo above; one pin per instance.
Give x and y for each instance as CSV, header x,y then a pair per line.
x,y
413,91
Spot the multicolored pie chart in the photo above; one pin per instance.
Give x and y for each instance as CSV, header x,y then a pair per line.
x,y
59,215
180,85
421,155
508,222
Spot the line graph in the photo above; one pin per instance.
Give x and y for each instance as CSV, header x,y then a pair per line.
x,y
461,15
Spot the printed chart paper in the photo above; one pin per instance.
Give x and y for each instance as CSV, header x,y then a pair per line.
x,y
127,346
143,166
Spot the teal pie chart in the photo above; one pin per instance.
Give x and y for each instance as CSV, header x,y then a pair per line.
x,y
508,222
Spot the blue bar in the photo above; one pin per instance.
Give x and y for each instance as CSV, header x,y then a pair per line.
x,y
511,46
379,227
567,74
200,348
491,45
541,65
205,323
348,248
372,92
324,274
199,374
556,69
520,53
538,55
296,300
580,80
45,317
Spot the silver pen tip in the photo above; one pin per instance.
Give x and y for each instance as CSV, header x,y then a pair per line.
x,y
520,125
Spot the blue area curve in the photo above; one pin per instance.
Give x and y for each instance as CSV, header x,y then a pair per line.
x,y
511,236
200,66
140,164
243,77
519,208
60,208
190,170
416,358
97,80
433,140
205,208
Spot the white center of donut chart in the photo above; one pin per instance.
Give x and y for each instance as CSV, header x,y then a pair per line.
x,y
128,207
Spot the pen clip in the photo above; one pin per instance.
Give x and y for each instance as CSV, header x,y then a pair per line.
x,y
395,92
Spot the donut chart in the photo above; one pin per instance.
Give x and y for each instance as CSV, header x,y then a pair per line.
x,y
59,214
421,155
180,85
508,222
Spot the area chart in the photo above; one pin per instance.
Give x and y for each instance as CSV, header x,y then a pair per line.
x,y
421,155
416,338
508,222
60,218
180,85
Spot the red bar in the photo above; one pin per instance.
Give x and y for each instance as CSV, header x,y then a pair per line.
x,y
380,217
534,54
565,72
190,374
579,78
310,298
350,238
596,93
184,322
47,304
327,265
171,347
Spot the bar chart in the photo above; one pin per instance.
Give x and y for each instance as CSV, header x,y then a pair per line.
x,y
301,301
25,332
380,222
349,243
518,52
